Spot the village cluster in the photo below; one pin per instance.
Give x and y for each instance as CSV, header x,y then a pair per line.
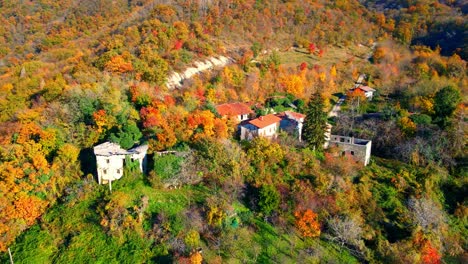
x,y
110,157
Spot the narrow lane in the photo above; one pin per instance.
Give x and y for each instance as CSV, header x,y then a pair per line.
x,y
337,107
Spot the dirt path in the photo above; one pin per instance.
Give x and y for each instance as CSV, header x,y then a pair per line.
x,y
176,79
337,107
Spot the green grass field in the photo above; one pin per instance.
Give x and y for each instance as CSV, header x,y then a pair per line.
x,y
332,55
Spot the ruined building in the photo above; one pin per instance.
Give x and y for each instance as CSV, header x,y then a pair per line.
x,y
110,159
359,149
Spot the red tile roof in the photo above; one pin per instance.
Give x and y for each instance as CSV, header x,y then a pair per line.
x,y
366,88
233,109
264,121
294,115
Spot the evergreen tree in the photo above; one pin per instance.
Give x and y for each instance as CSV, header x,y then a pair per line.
x,y
445,103
315,122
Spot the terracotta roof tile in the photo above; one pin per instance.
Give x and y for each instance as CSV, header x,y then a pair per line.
x,y
294,115
366,88
264,121
233,109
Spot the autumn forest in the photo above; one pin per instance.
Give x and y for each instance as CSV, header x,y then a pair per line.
x,y
76,74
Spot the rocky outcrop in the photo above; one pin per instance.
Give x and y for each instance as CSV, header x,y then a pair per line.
x,y
176,79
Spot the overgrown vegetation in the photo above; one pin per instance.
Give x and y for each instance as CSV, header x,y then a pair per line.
x,y
79,73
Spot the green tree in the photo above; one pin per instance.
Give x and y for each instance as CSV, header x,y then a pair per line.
x,y
127,136
273,61
256,48
151,66
269,199
315,122
445,103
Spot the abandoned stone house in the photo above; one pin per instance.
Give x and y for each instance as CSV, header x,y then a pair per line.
x,y
237,111
359,149
110,160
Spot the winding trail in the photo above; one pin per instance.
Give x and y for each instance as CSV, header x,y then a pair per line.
x,y
176,79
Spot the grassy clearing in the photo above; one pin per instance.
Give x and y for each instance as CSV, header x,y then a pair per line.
x,y
73,233
331,56
170,202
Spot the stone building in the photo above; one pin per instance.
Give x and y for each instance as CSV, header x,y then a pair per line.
x,y
263,126
110,160
292,123
359,149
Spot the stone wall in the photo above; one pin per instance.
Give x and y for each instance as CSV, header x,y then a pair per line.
x,y
109,168
360,149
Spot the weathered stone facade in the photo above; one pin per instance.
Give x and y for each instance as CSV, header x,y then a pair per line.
x,y
110,159
358,148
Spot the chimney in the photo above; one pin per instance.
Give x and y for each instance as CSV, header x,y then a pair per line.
x,y
261,118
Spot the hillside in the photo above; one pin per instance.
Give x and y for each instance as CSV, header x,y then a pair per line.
x,y
80,73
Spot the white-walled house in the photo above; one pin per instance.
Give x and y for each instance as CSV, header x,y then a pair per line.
x,y
110,159
238,111
263,126
368,92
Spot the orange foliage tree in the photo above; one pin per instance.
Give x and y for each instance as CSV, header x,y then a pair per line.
x,y
119,64
165,138
307,223
429,254
100,119
196,258
355,94
29,208
151,117
27,183
204,124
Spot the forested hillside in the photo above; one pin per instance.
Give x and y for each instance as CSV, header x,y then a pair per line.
x,y
74,74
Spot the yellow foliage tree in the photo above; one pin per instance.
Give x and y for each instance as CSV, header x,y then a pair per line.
x,y
215,216
322,77
196,258
427,105
408,127
333,71
293,84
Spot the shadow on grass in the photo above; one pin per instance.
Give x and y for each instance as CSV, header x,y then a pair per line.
x,y
271,242
303,52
